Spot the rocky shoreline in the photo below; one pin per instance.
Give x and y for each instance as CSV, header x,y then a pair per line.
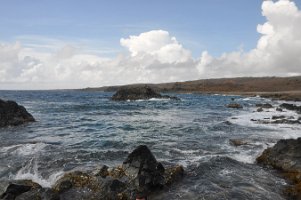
x,y
285,156
140,176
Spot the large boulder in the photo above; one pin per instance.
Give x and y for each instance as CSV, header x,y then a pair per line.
x,y
286,156
143,168
12,114
25,190
138,92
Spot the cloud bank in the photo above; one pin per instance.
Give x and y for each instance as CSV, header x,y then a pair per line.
x,y
156,56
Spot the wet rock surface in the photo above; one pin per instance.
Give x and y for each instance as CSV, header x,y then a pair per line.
x,y
237,142
264,105
140,175
138,93
286,157
12,114
234,105
291,107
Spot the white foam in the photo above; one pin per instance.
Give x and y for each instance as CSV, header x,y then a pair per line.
x,y
291,130
244,157
30,172
24,149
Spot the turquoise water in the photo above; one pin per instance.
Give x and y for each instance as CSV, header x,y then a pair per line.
x,y
83,130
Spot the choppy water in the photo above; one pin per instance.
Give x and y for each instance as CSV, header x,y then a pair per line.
x,y
82,130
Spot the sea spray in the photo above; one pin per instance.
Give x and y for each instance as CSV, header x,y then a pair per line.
x,y
30,171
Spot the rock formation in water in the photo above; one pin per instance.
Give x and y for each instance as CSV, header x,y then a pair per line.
x,y
12,114
140,175
234,105
291,107
138,92
264,105
286,156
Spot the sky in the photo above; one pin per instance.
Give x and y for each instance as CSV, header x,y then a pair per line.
x,y
76,44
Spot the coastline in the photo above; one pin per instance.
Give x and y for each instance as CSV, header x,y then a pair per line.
x,y
277,88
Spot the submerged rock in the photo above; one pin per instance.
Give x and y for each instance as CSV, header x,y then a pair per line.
x,y
278,117
237,142
279,121
12,114
138,92
234,105
286,156
260,110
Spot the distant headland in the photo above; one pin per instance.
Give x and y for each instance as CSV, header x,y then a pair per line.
x,y
282,88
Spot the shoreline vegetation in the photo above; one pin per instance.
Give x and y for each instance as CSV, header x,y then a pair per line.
x,y
278,88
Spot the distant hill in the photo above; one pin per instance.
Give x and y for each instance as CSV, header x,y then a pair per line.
x,y
276,87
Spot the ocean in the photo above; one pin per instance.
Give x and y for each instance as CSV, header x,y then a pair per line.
x,y
77,130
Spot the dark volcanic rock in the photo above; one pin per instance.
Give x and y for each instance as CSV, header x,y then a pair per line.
x,y
286,156
264,105
259,110
138,92
142,167
12,114
291,107
234,105
278,117
11,190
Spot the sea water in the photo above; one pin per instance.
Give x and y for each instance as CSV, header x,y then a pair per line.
x,y
76,130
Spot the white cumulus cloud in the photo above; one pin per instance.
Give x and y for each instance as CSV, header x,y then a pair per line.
x,y
155,56
278,50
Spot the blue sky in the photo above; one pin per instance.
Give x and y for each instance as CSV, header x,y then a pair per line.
x,y
75,44
215,25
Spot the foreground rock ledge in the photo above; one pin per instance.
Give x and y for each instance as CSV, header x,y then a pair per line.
x,y
137,93
12,114
286,157
139,176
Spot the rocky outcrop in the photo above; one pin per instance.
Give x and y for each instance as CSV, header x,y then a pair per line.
x,y
143,169
12,114
286,156
264,105
291,107
138,93
276,120
139,176
234,105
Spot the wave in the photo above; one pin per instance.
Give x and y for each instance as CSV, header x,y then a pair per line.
x,y
30,172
